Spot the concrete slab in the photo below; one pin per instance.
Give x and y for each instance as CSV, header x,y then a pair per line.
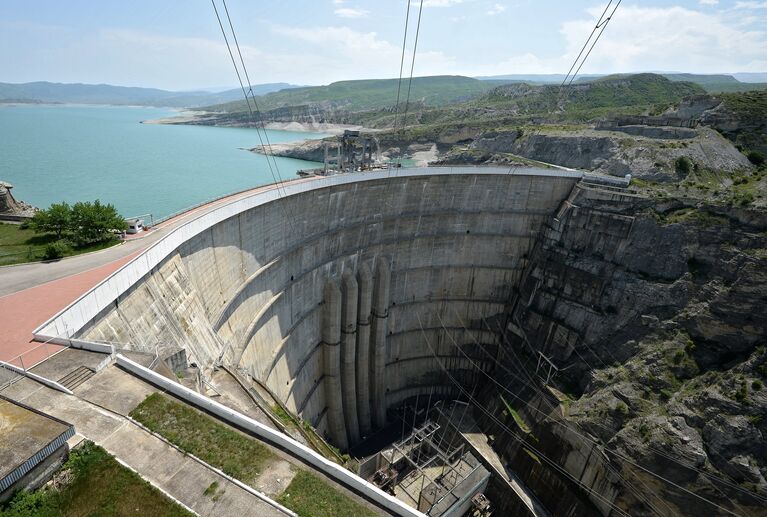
x,y
64,362
25,432
275,478
159,463
115,389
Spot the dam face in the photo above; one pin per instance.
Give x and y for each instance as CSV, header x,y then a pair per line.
x,y
339,292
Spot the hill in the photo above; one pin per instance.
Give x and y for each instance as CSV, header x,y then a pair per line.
x,y
606,93
46,92
713,83
371,94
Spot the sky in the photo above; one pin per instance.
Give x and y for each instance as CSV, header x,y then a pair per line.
x,y
177,44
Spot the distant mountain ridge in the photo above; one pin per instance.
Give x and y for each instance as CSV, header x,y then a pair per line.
x,y
713,83
76,93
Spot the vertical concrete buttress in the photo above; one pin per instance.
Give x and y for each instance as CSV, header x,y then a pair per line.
x,y
331,351
365,283
379,326
349,297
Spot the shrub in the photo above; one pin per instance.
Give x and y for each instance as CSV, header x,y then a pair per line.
x,y
756,385
56,250
755,157
683,165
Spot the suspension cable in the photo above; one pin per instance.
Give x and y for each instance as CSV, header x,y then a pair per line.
x,y
275,177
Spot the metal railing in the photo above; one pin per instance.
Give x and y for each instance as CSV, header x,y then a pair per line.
x,y
28,360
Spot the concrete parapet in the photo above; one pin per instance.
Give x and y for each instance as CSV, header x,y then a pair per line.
x,y
331,349
349,301
336,472
379,325
365,300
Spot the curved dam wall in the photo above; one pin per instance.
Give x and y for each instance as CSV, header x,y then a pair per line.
x,y
414,260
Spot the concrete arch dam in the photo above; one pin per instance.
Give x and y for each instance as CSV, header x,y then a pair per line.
x,y
334,291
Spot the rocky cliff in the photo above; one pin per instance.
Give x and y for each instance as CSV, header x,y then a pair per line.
x,y
654,314
645,152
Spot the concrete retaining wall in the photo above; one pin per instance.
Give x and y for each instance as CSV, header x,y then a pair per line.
x,y
327,467
243,284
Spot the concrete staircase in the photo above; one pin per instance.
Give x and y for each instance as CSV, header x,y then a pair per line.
x,y
76,377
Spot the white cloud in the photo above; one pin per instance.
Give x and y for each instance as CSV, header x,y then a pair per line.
x,y
652,38
348,12
441,3
750,5
673,38
496,9
708,2
337,53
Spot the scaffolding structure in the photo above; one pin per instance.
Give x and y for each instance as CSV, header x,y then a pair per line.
x,y
432,473
352,153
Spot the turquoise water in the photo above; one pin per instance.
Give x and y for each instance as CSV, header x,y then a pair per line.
x,y
77,153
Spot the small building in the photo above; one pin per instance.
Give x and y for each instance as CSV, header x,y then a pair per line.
x,y
135,225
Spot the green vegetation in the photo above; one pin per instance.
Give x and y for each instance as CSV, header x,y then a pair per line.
x,y
309,495
717,83
370,94
83,223
755,157
683,166
196,433
516,416
283,416
60,231
92,483
19,244
213,492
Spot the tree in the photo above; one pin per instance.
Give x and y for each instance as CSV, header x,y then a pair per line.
x,y
55,219
94,222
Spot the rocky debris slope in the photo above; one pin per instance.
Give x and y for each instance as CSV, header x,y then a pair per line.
x,y
611,152
657,310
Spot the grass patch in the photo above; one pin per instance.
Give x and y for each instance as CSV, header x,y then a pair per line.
x,y
308,495
696,216
98,485
517,418
19,245
196,433
283,416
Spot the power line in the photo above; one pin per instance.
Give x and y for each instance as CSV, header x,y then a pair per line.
x,y
596,27
278,182
401,66
600,26
607,450
580,434
412,63
511,433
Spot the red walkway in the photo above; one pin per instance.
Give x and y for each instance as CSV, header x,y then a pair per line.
x,y
22,312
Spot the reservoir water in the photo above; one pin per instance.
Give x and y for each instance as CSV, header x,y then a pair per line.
x,y
82,153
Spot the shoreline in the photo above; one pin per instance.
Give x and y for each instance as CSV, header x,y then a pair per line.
x,y
193,117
